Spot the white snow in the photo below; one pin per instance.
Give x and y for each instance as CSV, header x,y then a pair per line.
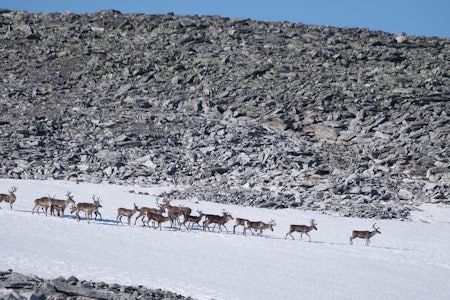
x,y
409,260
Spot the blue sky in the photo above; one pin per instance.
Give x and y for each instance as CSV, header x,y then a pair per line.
x,y
414,17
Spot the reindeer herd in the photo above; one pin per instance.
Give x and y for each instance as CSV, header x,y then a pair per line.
x,y
176,215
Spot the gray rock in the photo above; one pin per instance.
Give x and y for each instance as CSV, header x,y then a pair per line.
x,y
297,116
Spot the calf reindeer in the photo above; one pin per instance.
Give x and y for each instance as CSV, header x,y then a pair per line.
x,y
215,219
121,212
303,229
45,203
258,225
9,198
60,205
88,209
364,234
192,219
239,222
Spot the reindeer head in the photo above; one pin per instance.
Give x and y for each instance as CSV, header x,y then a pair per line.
x,y
73,209
136,207
227,215
377,229
96,201
313,224
271,224
70,198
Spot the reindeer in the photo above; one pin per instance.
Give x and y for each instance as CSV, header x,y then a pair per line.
x,y
364,234
88,209
60,205
303,229
44,202
239,222
192,219
145,210
11,198
175,211
127,213
221,220
258,225
158,218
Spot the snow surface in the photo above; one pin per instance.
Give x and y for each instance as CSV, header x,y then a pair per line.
x,y
409,260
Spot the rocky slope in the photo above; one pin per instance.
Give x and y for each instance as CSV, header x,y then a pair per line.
x,y
18,286
343,120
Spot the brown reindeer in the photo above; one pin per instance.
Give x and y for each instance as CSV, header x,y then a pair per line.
x,y
239,222
60,205
215,219
175,211
258,225
9,198
192,219
42,203
303,229
364,234
145,210
88,209
158,219
127,213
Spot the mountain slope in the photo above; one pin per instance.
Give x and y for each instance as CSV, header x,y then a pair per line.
x,y
264,114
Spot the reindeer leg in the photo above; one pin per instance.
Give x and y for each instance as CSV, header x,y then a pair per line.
x,y
290,233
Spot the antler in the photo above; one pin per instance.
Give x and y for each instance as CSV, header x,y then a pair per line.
x,y
375,227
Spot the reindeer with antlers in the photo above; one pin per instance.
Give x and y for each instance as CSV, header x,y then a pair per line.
x,y
158,219
42,203
258,226
9,198
60,205
364,234
88,209
303,229
144,211
192,219
175,211
220,220
121,212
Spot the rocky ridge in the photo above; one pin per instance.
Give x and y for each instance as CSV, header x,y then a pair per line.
x,y
18,286
342,120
